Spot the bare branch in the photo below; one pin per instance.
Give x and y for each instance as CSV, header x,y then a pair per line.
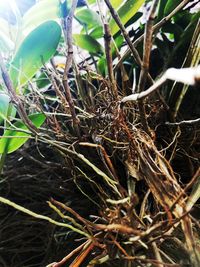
x,y
145,63
67,29
107,42
108,52
124,32
147,46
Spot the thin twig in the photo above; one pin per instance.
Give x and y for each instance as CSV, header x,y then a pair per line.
x,y
80,258
157,255
63,206
66,258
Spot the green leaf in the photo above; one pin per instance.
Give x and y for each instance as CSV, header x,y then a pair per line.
x,y
91,1
102,66
4,104
171,5
161,9
42,80
13,139
116,3
126,12
88,43
6,43
39,13
118,42
97,32
7,110
36,49
89,18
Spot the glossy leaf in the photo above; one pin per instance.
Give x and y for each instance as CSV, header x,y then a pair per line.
x,y
13,139
36,49
88,43
126,12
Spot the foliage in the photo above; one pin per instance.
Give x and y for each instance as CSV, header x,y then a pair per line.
x,y
135,162
14,138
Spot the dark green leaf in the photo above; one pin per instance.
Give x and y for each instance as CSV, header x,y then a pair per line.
x,y
171,5
161,9
42,80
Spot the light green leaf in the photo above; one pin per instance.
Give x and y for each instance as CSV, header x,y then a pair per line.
x,y
89,18
41,12
4,104
91,1
7,110
36,49
13,139
97,32
88,43
116,3
102,66
126,12
6,43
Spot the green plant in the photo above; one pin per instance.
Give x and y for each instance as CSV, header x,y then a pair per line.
x,y
113,109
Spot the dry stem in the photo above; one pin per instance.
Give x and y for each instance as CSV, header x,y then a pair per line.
x,y
67,29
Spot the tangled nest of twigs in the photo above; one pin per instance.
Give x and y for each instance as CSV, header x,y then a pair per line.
x,y
115,187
